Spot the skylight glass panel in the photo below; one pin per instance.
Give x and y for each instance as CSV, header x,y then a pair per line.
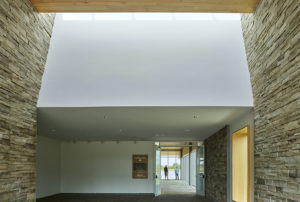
x,y
113,16
77,16
150,16
227,16
153,16
193,16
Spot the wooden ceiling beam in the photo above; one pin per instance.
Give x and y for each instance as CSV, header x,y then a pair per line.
x,y
212,6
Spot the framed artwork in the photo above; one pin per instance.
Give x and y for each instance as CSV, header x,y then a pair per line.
x,y
140,166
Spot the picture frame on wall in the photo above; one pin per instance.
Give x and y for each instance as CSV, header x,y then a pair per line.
x,y
140,166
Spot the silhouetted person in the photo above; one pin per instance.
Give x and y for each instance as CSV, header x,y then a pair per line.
x,y
166,172
177,173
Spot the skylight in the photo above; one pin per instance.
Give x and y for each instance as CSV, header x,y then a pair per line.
x,y
149,16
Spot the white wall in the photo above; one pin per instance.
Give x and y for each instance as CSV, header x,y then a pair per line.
x,y
48,167
237,124
104,168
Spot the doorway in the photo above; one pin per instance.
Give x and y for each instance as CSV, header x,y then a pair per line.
x,y
180,161
241,165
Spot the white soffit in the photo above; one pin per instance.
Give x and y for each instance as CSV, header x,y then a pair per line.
x,y
135,123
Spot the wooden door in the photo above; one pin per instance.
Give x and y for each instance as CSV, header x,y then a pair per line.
x,y
241,165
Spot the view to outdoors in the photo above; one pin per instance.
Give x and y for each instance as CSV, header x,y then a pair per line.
x,y
171,159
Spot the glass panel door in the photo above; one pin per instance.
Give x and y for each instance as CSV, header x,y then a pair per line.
x,y
200,177
193,168
157,171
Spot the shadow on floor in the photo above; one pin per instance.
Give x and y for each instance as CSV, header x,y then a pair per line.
x,y
121,198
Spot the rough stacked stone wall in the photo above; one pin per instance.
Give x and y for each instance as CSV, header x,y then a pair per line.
x,y
216,166
272,41
24,39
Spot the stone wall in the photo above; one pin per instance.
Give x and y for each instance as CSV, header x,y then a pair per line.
x,y
216,166
24,39
272,41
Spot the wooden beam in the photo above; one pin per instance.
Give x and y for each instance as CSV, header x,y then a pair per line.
x,y
219,6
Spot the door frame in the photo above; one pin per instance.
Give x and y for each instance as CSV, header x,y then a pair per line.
x,y
154,160
198,164
155,148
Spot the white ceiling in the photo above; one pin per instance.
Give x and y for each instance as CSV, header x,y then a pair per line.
x,y
135,123
146,60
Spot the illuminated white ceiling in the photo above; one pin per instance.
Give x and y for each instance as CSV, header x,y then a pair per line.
x,y
146,59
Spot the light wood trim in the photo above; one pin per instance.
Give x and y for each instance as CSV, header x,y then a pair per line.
x,y
249,162
185,150
170,152
219,6
176,150
246,130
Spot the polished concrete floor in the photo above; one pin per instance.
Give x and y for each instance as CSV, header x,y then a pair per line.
x,y
172,191
122,198
176,187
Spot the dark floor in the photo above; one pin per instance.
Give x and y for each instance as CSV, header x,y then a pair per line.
x,y
121,198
